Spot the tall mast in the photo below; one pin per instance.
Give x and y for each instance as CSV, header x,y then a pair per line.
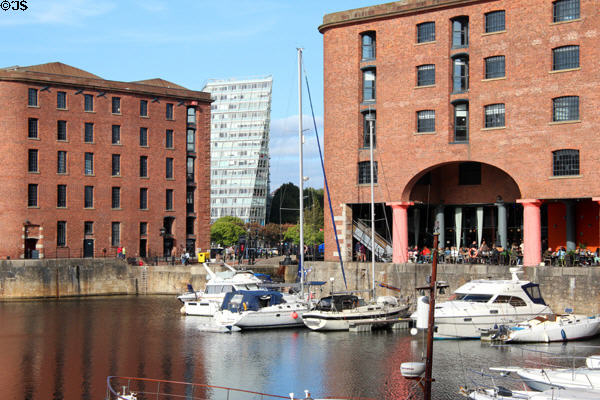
x,y
300,142
431,324
371,123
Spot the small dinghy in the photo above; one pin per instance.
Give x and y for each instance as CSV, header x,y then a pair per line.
x,y
553,328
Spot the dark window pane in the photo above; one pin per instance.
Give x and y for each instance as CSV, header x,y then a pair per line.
x,y
89,164
426,121
61,130
494,67
61,233
143,198
566,10
116,134
143,136
61,100
61,196
364,172
426,75
115,233
469,173
367,129
143,108
116,165
32,99
565,57
565,162
494,21
116,197
61,161
169,111
494,115
143,228
565,108
426,32
144,166
368,46
169,199
89,132
169,139
88,197
33,160
88,228
169,168
32,195
88,102
116,105
32,129
461,122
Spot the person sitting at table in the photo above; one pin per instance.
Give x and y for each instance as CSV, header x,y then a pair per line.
x,y
548,255
560,255
484,249
425,254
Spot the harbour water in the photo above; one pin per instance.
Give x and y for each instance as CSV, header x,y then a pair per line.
x,y
65,349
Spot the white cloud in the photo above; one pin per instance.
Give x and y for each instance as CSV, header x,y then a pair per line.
x,y
58,12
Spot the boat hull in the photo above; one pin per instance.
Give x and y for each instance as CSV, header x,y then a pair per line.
x,y
341,320
544,379
564,328
287,315
471,326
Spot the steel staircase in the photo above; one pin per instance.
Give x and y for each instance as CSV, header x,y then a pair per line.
x,y
383,248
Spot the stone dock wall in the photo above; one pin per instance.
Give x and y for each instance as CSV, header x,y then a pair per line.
x,y
562,287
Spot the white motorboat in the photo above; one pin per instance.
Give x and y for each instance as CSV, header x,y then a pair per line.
x,y
550,394
553,328
205,303
252,309
338,311
547,378
482,304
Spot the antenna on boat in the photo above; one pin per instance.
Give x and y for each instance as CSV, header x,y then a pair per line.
x,y
300,142
371,120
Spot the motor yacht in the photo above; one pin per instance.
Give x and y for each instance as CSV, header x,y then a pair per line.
x,y
481,304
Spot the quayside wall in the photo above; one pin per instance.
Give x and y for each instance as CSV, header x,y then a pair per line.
x,y
562,287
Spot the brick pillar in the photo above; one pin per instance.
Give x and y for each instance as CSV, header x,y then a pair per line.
x,y
532,232
400,231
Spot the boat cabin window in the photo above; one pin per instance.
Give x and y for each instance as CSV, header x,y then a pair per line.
x,y
250,286
533,292
472,297
217,289
512,300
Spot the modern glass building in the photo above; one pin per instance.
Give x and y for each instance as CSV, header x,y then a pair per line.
x,y
240,119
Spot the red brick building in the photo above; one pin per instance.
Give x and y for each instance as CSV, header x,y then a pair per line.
x,y
486,119
90,165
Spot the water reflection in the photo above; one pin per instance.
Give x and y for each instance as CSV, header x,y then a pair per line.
x,y
65,350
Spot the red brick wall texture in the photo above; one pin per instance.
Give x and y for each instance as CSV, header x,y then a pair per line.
x,y
42,220
518,157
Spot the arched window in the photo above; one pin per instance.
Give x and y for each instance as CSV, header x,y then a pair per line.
x,y
565,10
460,32
565,57
565,108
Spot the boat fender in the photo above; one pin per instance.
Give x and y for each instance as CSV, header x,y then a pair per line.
x,y
563,334
295,315
245,306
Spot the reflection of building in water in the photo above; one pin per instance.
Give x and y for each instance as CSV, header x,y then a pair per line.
x,y
478,131
240,118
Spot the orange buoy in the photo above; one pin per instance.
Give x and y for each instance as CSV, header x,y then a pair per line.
x,y
294,315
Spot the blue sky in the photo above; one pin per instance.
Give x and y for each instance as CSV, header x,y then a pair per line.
x,y
188,42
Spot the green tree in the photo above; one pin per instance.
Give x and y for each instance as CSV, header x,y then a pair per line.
x,y
226,231
312,235
285,205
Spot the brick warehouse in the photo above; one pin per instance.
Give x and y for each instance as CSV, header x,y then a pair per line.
x,y
485,123
92,164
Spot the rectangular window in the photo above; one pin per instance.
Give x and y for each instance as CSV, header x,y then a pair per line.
x,y
494,21
426,32
88,102
32,165
89,164
461,122
32,195
426,121
143,136
191,140
191,115
565,10
494,67
190,169
32,128
426,75
143,108
115,229
32,100
88,200
88,136
494,116
61,196
364,172
469,173
116,197
368,46
143,198
169,139
460,32
143,228
116,134
61,130
169,168
369,85
143,166
565,57
169,111
116,105
369,121
116,165
565,162
61,100
565,108
189,206
88,228
460,74
169,199
61,162
61,233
